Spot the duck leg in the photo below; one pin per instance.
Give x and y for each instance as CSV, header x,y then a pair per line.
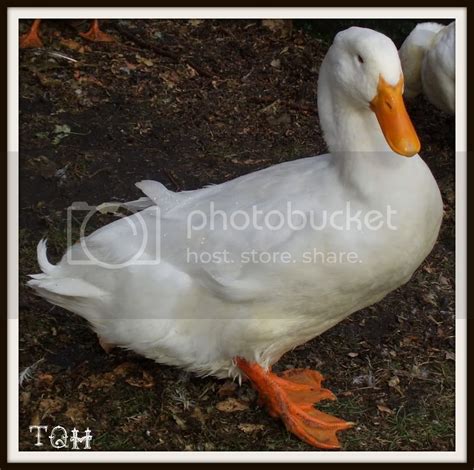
x,y
290,396
31,38
96,35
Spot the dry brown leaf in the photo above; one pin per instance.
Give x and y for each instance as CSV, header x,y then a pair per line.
x,y
144,61
394,381
73,45
249,428
450,356
385,409
135,423
130,66
147,381
190,71
50,406
430,298
44,379
35,420
89,79
25,398
76,412
123,369
199,415
275,63
181,424
108,379
282,27
170,77
227,389
231,405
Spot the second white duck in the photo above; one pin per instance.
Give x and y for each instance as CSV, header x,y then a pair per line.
x,y
428,61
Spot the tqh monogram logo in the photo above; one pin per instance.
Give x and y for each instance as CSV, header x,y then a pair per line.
x,y
59,437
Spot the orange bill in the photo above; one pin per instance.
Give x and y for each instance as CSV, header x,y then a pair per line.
x,y
393,118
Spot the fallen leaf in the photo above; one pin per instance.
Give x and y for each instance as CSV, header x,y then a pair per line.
x,y
144,61
123,369
48,82
353,354
430,297
227,389
61,133
271,108
231,405
385,409
35,420
282,27
135,423
181,424
73,45
76,412
50,406
275,63
450,356
62,129
171,78
89,79
43,165
249,428
108,379
146,381
191,71
444,280
394,381
44,378
25,398
199,415
130,66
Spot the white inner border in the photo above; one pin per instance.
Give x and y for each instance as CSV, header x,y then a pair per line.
x,y
14,455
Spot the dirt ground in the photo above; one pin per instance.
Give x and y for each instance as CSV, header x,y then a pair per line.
x,y
189,103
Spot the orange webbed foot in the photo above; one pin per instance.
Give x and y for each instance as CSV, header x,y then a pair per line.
x,y
31,39
291,396
96,35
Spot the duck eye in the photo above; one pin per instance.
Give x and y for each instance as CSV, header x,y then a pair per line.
x,y
360,59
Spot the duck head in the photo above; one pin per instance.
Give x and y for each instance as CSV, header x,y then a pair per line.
x,y
364,70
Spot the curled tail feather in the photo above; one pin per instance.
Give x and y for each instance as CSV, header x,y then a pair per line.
x,y
44,264
58,286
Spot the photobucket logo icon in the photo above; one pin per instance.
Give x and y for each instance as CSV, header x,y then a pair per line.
x,y
345,219
138,235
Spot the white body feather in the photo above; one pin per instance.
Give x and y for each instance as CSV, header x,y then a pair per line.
x,y
200,315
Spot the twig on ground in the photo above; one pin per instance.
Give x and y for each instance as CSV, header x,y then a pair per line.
x,y
163,52
305,108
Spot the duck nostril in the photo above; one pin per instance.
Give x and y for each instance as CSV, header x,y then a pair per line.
x,y
389,105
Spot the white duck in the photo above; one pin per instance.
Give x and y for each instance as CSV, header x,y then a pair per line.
x,y
428,62
235,315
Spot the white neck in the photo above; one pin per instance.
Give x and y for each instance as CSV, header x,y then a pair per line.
x,y
346,127
353,134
